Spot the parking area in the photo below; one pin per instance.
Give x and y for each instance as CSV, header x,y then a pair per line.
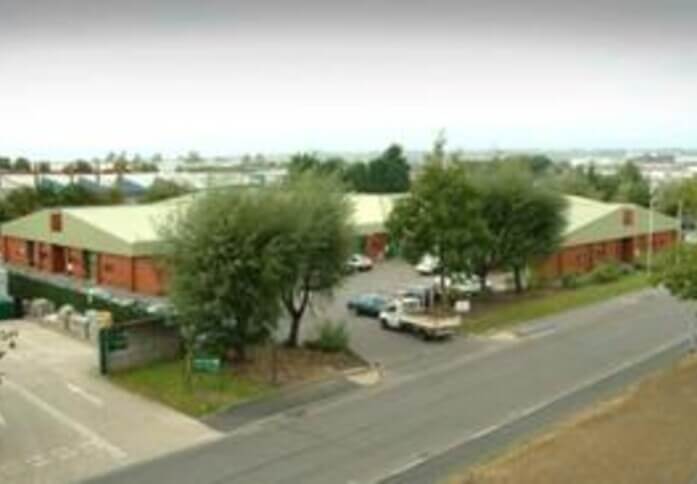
x,y
62,422
388,348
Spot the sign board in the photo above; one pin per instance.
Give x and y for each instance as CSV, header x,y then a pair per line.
x,y
206,365
463,306
117,340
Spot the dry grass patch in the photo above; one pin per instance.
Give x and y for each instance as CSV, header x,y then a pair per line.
x,y
647,436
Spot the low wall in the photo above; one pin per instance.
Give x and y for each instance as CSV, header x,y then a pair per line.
x,y
145,343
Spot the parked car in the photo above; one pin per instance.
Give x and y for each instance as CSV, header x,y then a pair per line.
x,y
367,304
461,283
359,262
409,314
428,265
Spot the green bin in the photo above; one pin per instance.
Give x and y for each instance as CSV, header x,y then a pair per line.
x,y
7,308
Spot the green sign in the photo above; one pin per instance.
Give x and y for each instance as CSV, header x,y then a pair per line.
x,y
207,365
116,340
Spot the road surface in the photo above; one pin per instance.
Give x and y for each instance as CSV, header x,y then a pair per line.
x,y
60,421
425,408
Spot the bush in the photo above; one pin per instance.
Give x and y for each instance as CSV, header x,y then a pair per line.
x,y
21,286
331,338
606,273
570,281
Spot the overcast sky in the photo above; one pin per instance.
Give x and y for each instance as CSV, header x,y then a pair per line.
x,y
82,77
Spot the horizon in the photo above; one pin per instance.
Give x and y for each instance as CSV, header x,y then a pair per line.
x,y
81,78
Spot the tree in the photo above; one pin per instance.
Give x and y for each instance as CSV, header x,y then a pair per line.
x,y
21,165
524,220
5,163
441,217
44,167
22,201
676,270
193,157
321,241
388,173
225,254
162,189
79,166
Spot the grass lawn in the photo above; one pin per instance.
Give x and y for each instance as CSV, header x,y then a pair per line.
x,y
164,382
497,314
645,436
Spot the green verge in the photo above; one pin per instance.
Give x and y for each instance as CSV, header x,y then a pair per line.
x,y
164,382
514,312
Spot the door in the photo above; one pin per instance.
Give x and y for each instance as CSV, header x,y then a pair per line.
x,y
57,259
627,254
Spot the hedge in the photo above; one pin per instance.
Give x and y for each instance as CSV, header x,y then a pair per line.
x,y
21,286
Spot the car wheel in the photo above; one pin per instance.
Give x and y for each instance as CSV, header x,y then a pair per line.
x,y
384,325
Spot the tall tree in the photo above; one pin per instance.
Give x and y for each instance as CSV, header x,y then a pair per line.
x,y
21,165
225,255
388,173
441,217
320,242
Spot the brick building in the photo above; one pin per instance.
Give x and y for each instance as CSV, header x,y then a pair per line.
x,y
598,233
119,246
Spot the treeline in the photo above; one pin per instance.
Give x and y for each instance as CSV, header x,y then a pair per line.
x,y
387,173
111,163
25,200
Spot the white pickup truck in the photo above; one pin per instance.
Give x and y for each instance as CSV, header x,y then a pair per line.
x,y
408,314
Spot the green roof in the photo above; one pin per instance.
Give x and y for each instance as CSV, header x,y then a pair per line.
x,y
132,230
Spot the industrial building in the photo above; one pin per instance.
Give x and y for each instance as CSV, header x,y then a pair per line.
x,y
599,232
118,246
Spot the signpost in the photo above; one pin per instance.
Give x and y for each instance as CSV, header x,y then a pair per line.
x,y
205,364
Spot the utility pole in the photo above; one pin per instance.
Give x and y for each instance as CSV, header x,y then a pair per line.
x,y
649,251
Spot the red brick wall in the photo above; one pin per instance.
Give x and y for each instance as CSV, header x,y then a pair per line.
x,y
115,270
75,260
375,245
14,251
149,277
583,258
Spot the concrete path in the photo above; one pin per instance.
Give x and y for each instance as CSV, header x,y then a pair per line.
x,y
60,421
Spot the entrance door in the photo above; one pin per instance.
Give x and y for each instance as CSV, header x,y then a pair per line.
x,y
57,259
627,250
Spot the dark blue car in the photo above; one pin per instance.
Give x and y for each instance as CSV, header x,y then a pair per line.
x,y
367,304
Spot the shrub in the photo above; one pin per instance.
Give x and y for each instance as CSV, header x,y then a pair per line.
x,y
606,273
21,286
331,338
570,281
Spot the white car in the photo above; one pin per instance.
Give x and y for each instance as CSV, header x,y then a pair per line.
x,y
462,283
359,262
428,265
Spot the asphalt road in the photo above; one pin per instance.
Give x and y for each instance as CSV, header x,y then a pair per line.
x,y
428,408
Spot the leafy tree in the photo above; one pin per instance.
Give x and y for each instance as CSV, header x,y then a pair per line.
x,y
5,163
44,167
21,165
79,166
320,241
388,173
302,162
524,220
676,270
672,195
441,217
193,157
22,201
226,256
537,164
162,189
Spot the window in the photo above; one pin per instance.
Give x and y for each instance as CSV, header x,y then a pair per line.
x,y
56,222
628,218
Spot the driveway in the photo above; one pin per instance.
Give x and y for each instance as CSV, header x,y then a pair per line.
x,y
390,349
60,421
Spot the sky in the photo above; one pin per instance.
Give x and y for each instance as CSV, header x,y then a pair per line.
x,y
79,78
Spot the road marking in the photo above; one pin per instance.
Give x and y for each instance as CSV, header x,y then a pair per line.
x,y
90,435
84,394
